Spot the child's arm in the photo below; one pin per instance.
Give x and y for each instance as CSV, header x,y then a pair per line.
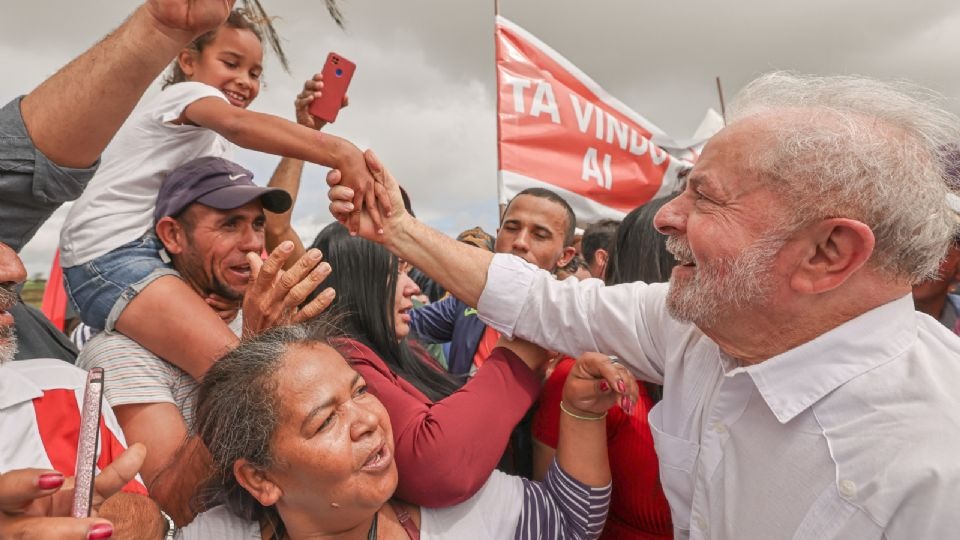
x,y
288,173
274,135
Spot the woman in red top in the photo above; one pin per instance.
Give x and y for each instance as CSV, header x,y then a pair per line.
x,y
448,437
638,507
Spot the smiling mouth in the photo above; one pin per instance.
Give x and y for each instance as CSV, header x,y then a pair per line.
x,y
235,96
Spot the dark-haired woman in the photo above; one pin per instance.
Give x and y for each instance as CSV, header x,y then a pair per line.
x,y
302,450
638,507
449,435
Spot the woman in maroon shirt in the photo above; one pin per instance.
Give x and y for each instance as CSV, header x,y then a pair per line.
x,y
448,437
638,507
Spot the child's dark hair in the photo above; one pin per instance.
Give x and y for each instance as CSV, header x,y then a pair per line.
x,y
242,19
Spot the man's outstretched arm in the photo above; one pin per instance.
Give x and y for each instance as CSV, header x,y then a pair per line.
x,y
460,268
73,115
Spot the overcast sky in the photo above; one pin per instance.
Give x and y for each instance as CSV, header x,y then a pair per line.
x,y
423,94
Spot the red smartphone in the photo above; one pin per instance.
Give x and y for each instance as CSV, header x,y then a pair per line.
x,y
87,444
337,72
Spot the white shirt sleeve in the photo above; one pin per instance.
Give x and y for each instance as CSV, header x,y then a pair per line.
x,y
178,97
629,321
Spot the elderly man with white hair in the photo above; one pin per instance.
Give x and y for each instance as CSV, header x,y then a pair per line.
x,y
803,395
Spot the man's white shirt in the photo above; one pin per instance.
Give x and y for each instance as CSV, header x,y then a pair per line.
x,y
855,434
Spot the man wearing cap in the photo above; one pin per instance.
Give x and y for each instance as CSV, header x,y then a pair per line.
x,y
209,216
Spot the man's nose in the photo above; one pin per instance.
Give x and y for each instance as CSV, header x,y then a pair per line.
x,y
12,271
672,217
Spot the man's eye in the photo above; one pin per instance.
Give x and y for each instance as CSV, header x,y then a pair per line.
x,y
326,423
360,391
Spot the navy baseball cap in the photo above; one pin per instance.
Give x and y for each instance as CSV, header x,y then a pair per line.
x,y
217,183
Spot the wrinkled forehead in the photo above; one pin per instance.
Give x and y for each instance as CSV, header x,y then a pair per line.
x,y
311,371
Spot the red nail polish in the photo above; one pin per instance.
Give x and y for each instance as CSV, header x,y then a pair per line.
x,y
100,531
621,387
604,386
50,481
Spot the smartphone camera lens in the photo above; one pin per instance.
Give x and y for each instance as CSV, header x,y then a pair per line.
x,y
339,72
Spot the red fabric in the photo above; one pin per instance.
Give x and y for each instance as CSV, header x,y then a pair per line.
x,y
445,451
638,507
54,304
58,421
487,343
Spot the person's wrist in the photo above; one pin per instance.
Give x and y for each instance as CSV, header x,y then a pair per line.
x,y
581,414
575,405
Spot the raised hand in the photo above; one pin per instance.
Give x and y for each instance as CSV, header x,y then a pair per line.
x,y
274,295
386,200
597,383
189,17
312,89
35,503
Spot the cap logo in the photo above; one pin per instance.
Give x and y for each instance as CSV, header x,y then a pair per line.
x,y
234,177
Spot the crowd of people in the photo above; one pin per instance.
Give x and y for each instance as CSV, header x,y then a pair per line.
x,y
768,353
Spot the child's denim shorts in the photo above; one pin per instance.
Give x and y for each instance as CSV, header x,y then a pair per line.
x,y
102,288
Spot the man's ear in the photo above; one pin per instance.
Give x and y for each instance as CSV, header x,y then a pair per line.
x,y
569,253
601,257
830,252
257,483
171,234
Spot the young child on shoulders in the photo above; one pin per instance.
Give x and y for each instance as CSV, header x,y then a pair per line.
x,y
111,257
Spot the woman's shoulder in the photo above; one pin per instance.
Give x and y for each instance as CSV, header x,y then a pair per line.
x,y
219,522
361,356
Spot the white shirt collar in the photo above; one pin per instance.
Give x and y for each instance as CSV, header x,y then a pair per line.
x,y
15,387
793,381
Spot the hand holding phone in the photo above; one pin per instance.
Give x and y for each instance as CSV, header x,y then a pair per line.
x,y
87,444
337,73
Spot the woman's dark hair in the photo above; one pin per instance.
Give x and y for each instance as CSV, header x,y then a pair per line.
x,y
365,277
252,18
237,414
639,253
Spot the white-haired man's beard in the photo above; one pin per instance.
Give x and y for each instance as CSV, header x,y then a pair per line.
x,y
8,344
721,287
8,336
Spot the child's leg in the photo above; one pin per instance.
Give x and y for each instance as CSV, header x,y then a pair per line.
x,y
132,290
171,320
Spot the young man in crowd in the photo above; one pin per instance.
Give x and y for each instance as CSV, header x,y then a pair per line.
x,y
537,226
804,397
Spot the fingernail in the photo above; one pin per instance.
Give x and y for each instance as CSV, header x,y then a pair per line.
x,y
621,386
349,207
286,245
323,268
50,481
604,386
379,231
315,254
100,531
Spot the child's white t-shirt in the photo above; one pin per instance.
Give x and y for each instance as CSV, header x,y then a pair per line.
x,y
117,207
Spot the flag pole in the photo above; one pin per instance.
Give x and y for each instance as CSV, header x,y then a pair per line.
x,y
723,106
496,13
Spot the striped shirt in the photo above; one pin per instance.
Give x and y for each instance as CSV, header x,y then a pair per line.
x,y
506,507
40,403
135,376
